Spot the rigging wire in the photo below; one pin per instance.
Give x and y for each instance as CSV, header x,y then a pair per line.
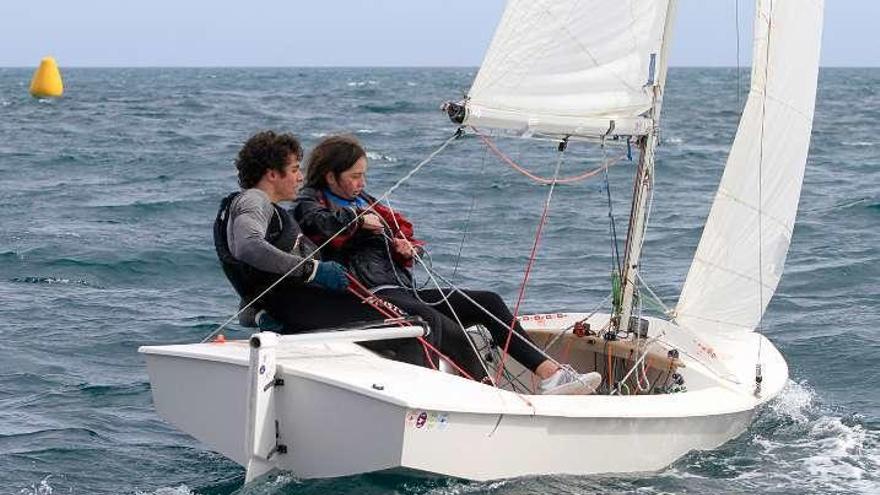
x,y
758,377
532,256
467,222
444,296
434,275
491,315
615,249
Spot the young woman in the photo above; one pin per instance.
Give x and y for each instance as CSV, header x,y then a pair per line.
x,y
379,248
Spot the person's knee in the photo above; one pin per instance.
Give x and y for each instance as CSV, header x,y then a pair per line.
x,y
489,300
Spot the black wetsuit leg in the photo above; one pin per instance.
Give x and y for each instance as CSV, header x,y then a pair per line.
x,y
471,314
446,335
308,309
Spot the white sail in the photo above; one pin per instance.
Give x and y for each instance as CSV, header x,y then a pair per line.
x,y
572,68
741,254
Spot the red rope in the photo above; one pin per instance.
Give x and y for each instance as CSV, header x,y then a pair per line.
x,y
543,180
522,288
366,296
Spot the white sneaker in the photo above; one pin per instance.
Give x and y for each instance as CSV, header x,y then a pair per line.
x,y
567,381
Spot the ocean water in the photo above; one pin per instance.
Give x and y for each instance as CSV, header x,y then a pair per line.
x,y
106,203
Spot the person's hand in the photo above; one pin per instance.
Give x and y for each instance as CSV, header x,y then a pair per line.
x,y
403,247
267,323
372,223
331,276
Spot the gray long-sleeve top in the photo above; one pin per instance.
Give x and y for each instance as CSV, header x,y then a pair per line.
x,y
249,216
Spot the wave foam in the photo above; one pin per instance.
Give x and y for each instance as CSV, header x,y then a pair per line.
x,y
831,452
178,490
44,488
794,402
51,281
372,155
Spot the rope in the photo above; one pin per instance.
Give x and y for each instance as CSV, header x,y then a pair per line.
x,y
543,180
433,273
615,249
467,222
531,262
666,309
445,298
636,364
494,317
583,320
365,295
311,255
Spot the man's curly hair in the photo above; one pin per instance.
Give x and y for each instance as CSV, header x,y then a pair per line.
x,y
264,151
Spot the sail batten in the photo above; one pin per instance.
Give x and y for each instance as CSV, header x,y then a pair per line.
x,y
739,260
571,68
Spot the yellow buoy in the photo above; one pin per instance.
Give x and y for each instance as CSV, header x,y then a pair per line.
x,y
47,80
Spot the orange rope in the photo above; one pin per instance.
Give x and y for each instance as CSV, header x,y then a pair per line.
x,y
542,180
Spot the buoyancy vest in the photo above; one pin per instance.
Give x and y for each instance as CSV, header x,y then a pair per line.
x,y
248,281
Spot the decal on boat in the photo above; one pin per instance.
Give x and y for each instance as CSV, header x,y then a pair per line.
x,y
424,420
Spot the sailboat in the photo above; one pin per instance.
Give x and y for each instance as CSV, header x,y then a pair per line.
x,y
320,405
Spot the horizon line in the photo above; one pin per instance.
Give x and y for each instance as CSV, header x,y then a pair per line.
x,y
681,66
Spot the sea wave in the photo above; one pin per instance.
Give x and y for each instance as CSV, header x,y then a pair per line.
x,y
41,488
177,490
54,281
833,452
372,155
399,106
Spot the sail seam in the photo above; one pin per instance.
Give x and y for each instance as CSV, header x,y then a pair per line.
x,y
782,223
757,92
733,272
593,58
712,320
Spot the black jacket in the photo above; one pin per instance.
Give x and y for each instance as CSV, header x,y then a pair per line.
x,y
368,256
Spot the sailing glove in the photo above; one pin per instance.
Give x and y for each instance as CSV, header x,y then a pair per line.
x,y
330,275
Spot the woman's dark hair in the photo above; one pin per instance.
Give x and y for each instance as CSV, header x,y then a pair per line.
x,y
263,151
334,154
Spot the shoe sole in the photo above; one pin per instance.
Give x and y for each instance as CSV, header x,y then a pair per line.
x,y
579,387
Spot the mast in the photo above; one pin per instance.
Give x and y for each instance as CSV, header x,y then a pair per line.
x,y
644,183
635,237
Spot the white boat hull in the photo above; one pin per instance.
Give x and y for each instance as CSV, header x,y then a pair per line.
x,y
343,410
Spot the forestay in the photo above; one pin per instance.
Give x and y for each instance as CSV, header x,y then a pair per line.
x,y
583,68
741,254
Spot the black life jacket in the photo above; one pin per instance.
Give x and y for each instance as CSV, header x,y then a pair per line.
x,y
248,281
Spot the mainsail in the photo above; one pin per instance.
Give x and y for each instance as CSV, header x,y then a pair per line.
x,y
582,68
739,260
